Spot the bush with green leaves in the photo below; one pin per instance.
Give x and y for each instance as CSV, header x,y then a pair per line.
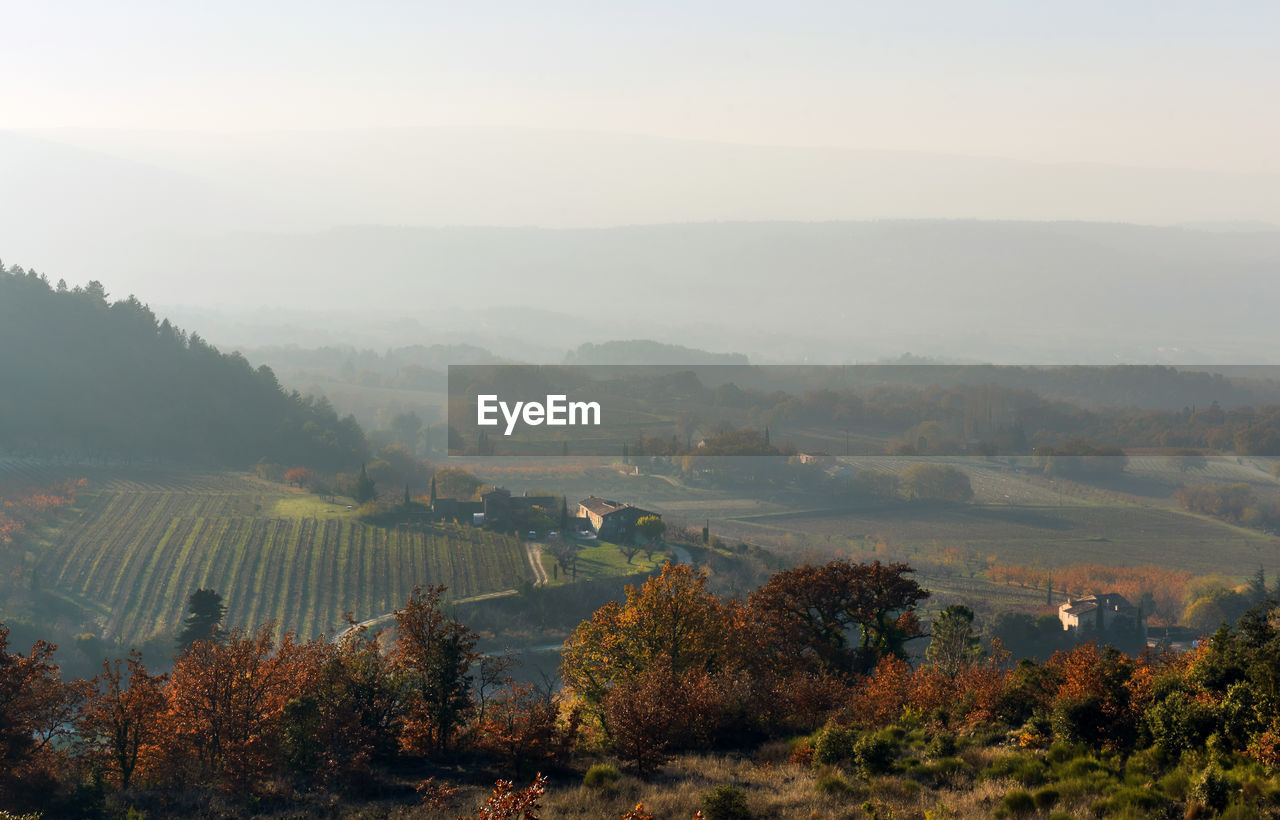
x,y
1046,798
1025,769
874,754
1212,789
943,744
1018,803
834,744
1177,722
834,785
1081,720
726,802
601,775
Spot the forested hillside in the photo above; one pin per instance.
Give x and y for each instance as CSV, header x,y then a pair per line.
x,y
87,377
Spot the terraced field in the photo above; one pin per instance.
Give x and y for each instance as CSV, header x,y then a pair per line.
x,y
139,546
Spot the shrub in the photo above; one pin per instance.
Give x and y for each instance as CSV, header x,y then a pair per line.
x,y
895,790
726,803
1176,784
1081,720
600,775
1212,789
834,744
1018,803
1045,798
834,785
1023,768
874,754
1176,722
948,772
1080,767
1132,799
802,753
943,744
1062,752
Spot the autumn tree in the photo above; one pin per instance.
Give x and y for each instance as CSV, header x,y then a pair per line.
x,y
121,716
433,653
525,727
455,482
661,711
672,616
651,527
226,703
370,689
812,612
298,477
36,710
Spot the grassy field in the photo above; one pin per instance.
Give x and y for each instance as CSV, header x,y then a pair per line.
x,y
141,539
1018,515
141,544
602,560
1036,535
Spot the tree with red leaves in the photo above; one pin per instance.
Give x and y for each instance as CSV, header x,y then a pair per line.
x,y
36,709
811,612
509,803
122,716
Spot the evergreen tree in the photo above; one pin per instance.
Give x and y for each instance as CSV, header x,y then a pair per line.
x,y
204,619
364,489
953,645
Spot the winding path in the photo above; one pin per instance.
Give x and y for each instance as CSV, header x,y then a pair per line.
x,y
534,550
378,620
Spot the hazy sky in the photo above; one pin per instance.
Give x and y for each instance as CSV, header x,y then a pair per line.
x,y
1190,85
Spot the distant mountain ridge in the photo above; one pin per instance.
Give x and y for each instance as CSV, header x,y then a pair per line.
x,y
647,352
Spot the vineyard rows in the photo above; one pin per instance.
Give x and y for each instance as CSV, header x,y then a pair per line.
x,y
136,556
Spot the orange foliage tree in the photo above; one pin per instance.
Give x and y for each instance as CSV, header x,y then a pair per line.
x,y
811,610
121,717
672,617
36,710
226,707
526,726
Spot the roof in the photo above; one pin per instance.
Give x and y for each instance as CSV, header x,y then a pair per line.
x,y
602,506
1109,600
605,507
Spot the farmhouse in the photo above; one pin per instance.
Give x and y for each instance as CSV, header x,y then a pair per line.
x,y
503,509
451,509
1101,613
819,457
500,502
611,519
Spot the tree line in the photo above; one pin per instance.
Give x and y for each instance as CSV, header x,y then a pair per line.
x,y
818,652
86,377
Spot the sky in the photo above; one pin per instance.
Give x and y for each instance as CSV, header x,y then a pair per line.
x,y
1174,85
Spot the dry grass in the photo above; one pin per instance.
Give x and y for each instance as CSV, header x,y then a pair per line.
x,y
773,790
